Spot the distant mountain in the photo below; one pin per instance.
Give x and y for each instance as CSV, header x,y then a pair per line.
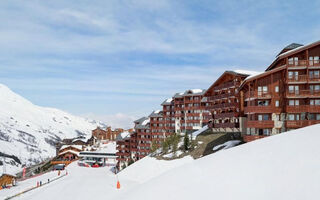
x,y
28,132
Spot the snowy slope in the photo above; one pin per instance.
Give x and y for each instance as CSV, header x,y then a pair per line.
x,y
285,166
29,131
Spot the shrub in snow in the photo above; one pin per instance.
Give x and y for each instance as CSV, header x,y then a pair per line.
x,y
186,142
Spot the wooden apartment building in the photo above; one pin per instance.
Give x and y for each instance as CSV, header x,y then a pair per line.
x,y
287,95
226,102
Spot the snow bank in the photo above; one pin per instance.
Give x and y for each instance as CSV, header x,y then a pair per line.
x,y
148,168
285,166
196,133
227,145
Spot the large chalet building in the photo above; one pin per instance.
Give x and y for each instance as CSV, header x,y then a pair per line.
x,y
143,137
226,101
188,112
287,95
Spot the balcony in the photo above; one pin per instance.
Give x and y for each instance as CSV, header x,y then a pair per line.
x,y
298,79
261,109
226,125
225,115
258,95
297,109
249,138
303,93
300,123
225,105
260,124
304,63
224,86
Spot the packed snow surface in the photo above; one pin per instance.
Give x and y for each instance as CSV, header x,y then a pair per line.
x,y
285,166
29,132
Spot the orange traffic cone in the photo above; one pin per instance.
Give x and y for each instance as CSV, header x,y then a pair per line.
x,y
118,184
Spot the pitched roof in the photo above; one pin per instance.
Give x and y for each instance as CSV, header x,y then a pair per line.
x,y
156,113
168,102
123,136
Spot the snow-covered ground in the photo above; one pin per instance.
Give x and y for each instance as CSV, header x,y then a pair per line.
x,y
29,131
285,166
227,145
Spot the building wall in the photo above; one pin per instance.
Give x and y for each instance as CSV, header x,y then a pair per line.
x,y
289,98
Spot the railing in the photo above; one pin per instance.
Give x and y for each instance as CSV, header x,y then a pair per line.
x,y
225,105
256,94
300,123
303,93
303,63
299,78
314,63
314,78
260,109
297,63
226,125
225,115
224,85
260,124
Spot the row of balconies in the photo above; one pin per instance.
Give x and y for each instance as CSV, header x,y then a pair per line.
x,y
264,124
225,115
304,63
225,105
221,96
292,94
303,93
226,125
303,79
224,86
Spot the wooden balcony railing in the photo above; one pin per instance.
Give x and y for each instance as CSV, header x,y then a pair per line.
x,y
300,63
261,109
303,93
225,115
226,125
300,78
225,105
300,123
314,63
260,124
224,85
256,94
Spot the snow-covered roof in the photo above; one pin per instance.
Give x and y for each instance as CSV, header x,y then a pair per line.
x,y
79,147
69,151
145,122
156,113
122,136
246,72
192,92
140,120
167,101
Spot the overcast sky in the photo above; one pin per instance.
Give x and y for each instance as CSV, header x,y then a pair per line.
x,y
117,60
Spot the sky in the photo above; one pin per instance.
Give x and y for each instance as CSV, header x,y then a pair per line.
x,y
116,60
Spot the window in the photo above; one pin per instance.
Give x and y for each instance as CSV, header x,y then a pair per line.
x,y
276,89
291,117
294,89
277,103
263,103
